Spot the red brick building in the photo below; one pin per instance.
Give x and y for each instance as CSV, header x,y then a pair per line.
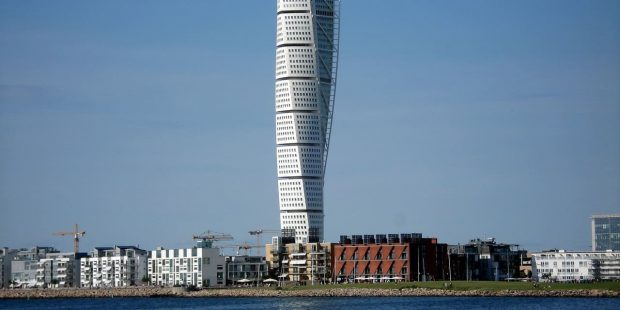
x,y
380,258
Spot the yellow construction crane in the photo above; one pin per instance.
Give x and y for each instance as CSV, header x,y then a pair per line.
x,y
208,237
76,233
258,233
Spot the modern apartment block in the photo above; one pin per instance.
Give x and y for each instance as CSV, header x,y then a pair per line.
x,y
6,256
59,270
486,260
245,269
25,264
606,232
309,263
306,65
197,266
391,257
117,266
563,266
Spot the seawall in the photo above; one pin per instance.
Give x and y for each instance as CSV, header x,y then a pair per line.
x,y
321,292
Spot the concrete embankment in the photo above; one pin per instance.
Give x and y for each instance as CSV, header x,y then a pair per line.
x,y
323,292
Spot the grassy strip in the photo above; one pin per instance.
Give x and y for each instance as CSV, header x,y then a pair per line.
x,y
471,285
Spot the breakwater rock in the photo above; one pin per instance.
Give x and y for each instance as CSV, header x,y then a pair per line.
x,y
305,292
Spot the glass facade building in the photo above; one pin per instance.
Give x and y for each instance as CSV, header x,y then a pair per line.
x,y
606,232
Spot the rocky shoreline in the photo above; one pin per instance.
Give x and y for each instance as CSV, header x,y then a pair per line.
x,y
322,292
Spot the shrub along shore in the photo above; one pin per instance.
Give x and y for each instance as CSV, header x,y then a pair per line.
x,y
469,289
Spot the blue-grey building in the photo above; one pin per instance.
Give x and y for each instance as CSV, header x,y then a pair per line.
x,y
606,232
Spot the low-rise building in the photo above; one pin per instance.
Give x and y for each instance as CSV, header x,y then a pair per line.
x,y
308,263
25,264
245,269
117,266
200,266
568,266
6,256
391,257
486,260
59,270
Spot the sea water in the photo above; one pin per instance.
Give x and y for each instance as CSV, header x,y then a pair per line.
x,y
367,303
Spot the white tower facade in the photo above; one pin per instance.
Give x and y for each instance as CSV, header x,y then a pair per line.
x,y
306,65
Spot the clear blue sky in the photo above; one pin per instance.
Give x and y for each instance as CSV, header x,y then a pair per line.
x,y
148,121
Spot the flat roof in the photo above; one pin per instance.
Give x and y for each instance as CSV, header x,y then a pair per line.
x,y
605,215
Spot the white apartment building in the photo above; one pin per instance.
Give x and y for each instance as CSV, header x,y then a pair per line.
x,y
117,266
306,64
564,266
197,266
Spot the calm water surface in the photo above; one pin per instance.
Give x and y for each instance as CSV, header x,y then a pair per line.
x,y
317,303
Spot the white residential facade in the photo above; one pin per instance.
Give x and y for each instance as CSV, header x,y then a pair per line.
x,y
197,266
566,266
118,266
306,64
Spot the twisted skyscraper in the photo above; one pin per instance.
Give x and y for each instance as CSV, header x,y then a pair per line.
x,y
306,64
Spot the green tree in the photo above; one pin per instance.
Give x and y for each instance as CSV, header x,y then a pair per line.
x,y
146,279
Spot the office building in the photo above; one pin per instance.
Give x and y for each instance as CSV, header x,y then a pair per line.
x,y
118,266
306,63
606,232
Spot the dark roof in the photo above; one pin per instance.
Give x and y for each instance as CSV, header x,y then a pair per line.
x,y
103,248
124,247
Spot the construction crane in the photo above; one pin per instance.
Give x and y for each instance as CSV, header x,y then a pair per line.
x,y
246,247
208,237
76,233
259,232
